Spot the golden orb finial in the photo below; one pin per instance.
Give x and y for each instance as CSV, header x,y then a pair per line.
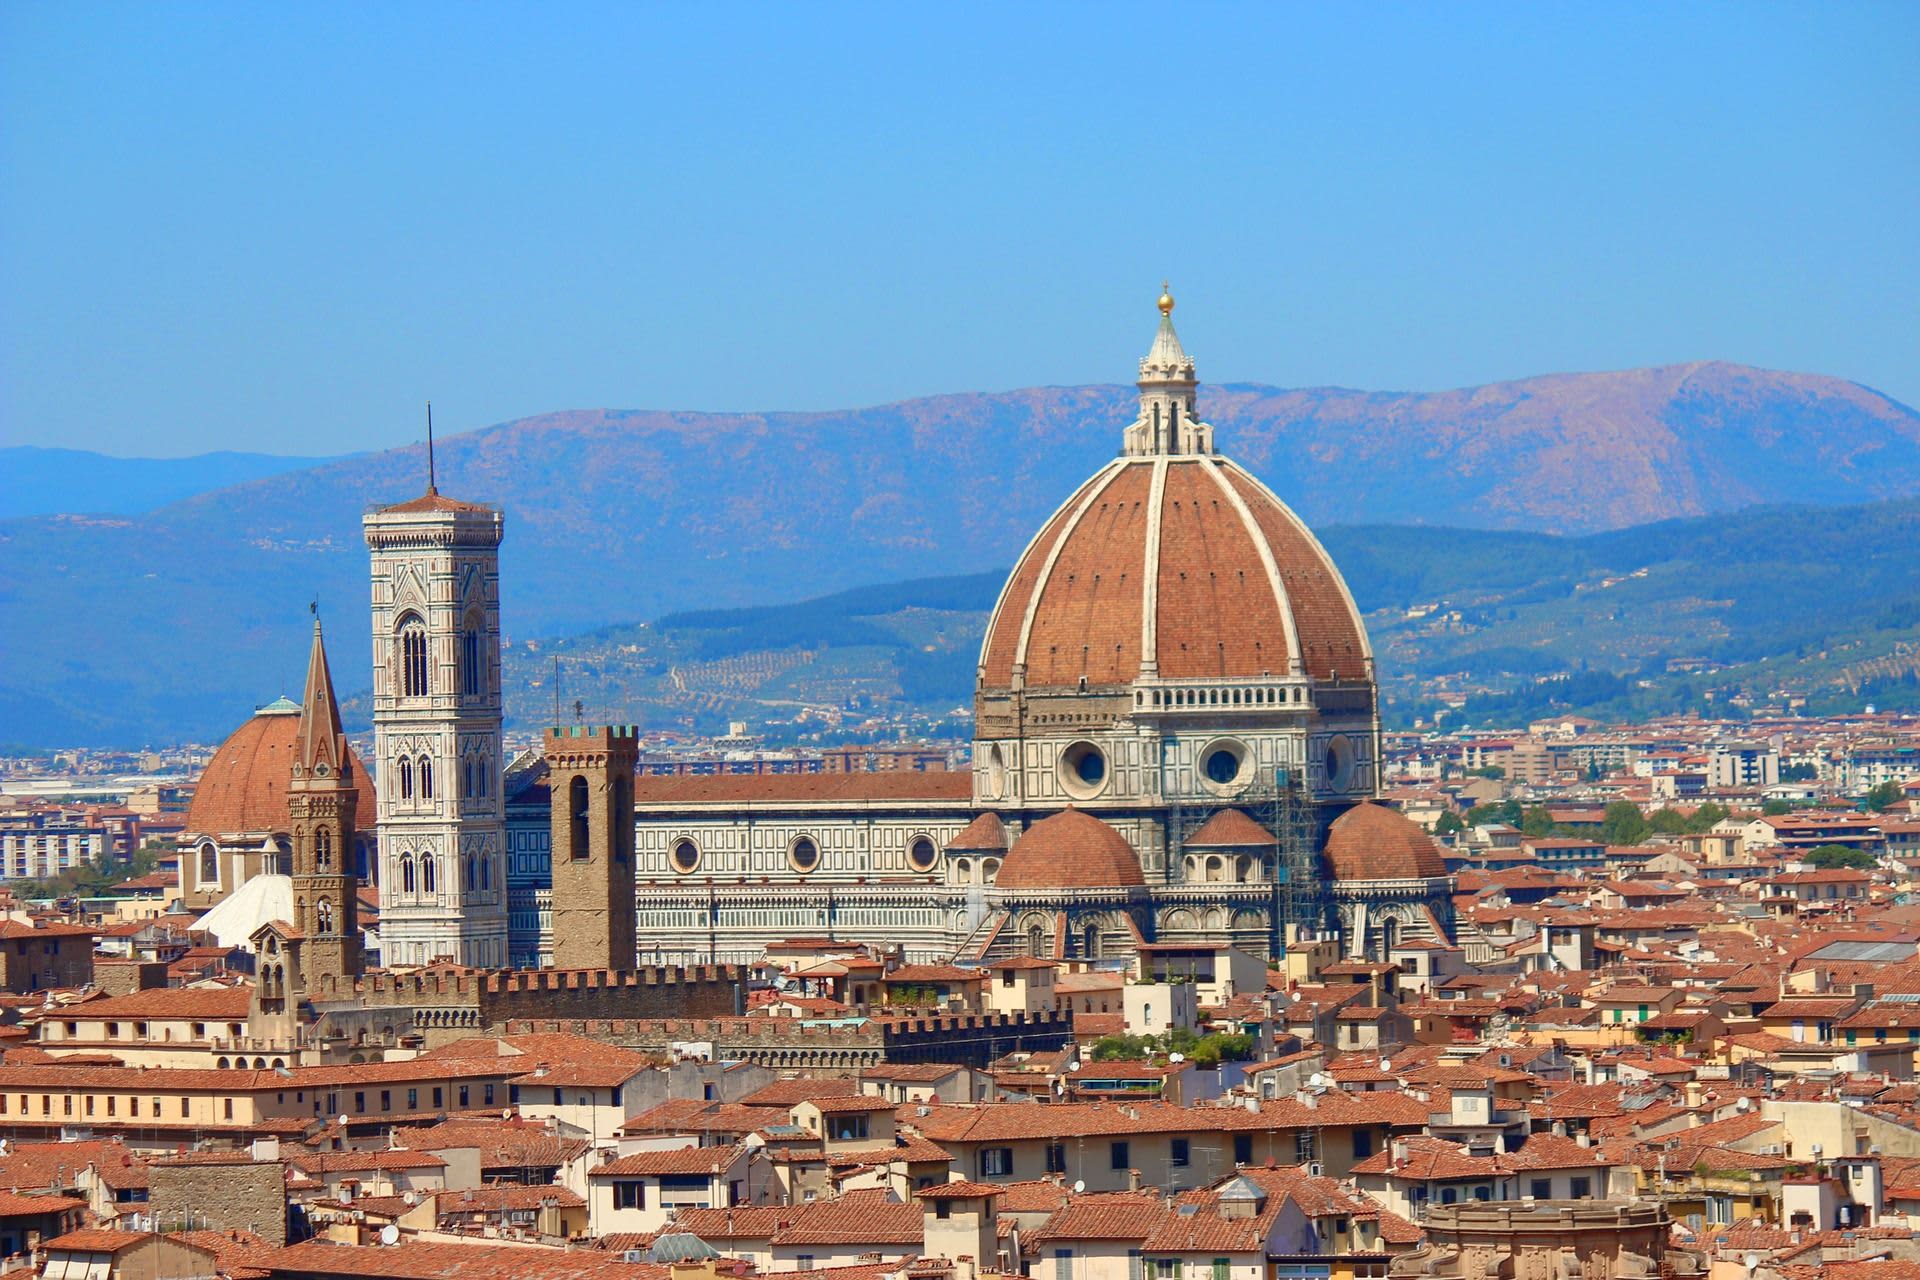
x,y
1166,300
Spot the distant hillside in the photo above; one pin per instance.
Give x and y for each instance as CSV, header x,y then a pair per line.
x,y
1701,613
173,623
41,482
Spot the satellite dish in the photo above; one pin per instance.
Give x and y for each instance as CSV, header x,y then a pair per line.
x,y
1751,1261
1316,1078
342,1119
1176,1057
1079,1185
1385,1065
389,1234
1074,1065
410,1199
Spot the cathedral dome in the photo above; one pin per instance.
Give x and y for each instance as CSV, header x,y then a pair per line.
x,y
1373,842
1070,850
244,787
1172,562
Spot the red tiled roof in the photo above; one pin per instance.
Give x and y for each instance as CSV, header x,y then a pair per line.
x,y
1217,613
1230,829
1373,842
985,834
1070,850
797,788
244,787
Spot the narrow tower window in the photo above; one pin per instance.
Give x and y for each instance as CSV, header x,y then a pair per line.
x,y
470,660
577,818
323,848
324,914
413,657
427,879
406,778
426,778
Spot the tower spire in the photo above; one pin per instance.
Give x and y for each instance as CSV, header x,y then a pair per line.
x,y
432,480
322,742
1167,423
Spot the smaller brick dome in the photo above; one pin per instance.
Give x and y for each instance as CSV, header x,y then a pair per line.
x,y
243,789
1372,842
1070,850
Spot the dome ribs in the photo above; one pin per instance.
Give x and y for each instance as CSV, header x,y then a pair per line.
x,y
1332,644
1003,632
1087,619
1214,601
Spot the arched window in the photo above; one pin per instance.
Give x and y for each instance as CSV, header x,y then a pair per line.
x,y
426,778
1036,940
324,914
470,679
577,818
406,778
472,877
413,657
209,864
426,873
622,818
486,872
406,873
323,848
1090,942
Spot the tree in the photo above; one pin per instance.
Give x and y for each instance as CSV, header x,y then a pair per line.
x,y
1493,771
1798,773
1537,821
1449,824
1829,856
1884,797
1774,808
1623,823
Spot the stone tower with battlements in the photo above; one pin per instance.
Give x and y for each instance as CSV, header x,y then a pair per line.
x,y
590,776
436,720
320,805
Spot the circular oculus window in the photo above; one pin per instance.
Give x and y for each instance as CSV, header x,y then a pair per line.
x,y
684,857
1223,762
803,854
1083,770
922,854
1339,762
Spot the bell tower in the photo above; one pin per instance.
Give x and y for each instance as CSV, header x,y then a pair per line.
x,y
320,803
436,724
590,775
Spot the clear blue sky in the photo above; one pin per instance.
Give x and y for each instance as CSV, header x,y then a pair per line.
x,y
282,227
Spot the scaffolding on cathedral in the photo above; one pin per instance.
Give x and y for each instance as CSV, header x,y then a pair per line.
x,y
1277,801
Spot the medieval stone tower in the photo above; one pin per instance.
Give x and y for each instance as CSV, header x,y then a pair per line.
x,y
320,804
436,720
590,774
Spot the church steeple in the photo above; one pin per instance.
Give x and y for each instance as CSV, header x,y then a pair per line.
x,y
324,941
1167,423
323,745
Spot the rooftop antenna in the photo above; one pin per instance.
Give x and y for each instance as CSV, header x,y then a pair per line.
x,y
432,480
556,691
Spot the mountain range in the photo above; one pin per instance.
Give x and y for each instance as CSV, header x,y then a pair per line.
x,y
1708,613
41,482
171,623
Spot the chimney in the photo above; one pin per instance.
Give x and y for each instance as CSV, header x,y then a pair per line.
x,y
1133,1179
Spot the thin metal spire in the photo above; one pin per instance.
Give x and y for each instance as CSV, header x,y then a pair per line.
x,y
432,485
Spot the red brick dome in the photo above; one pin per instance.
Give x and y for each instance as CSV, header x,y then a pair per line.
x,y
1184,565
1070,850
1372,842
244,787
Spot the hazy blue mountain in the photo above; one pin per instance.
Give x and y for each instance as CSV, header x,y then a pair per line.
x,y
42,482
172,623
